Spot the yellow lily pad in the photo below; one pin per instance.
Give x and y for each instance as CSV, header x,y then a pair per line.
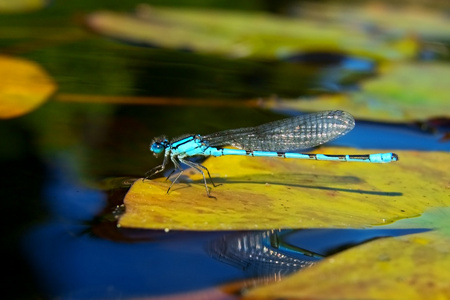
x,y
402,93
23,88
238,34
267,193
407,267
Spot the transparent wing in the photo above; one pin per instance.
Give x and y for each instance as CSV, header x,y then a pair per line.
x,y
290,134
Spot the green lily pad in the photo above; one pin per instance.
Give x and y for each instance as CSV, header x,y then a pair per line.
x,y
21,6
403,92
385,18
239,34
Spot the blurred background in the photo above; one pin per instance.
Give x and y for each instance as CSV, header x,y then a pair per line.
x,y
86,85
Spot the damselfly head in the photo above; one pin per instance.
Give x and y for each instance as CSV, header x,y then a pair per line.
x,y
158,145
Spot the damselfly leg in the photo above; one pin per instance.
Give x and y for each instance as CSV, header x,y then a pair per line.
x,y
199,168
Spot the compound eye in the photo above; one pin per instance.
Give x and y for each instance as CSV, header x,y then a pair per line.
x,y
157,148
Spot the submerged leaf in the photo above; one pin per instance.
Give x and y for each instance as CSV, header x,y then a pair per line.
x,y
267,193
24,86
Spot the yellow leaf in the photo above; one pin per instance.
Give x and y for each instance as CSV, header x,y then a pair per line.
x,y
269,193
409,267
24,86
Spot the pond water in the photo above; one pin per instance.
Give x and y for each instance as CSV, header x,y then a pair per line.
x,y
68,164
71,193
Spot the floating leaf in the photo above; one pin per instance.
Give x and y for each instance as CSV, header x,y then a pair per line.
x,y
267,193
24,86
402,93
412,267
407,267
239,34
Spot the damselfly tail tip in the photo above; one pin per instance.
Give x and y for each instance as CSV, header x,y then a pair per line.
x,y
382,157
388,157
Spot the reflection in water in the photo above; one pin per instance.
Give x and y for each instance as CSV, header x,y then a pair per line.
x,y
261,254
